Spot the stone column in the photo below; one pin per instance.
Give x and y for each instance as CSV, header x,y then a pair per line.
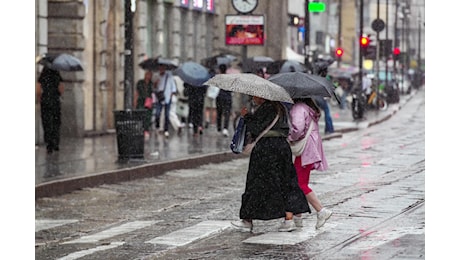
x,y
65,35
176,34
41,39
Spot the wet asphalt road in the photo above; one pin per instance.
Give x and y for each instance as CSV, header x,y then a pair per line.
x,y
375,187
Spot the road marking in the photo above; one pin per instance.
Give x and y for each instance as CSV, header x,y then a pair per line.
x,y
381,237
187,235
115,231
83,253
41,224
288,238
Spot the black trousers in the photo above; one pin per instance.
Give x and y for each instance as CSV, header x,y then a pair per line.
x,y
51,121
223,108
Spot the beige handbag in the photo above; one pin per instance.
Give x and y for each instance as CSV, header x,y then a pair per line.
x,y
298,146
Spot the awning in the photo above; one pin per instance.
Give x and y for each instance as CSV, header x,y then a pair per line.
x,y
292,55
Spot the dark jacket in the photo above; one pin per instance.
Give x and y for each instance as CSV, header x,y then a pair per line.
x,y
263,117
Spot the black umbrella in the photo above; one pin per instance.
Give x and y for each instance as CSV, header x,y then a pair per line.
x,y
282,66
253,64
61,62
192,73
154,63
302,85
344,73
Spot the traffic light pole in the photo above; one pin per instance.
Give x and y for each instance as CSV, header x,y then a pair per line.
x,y
360,60
377,79
396,45
129,70
386,42
339,34
306,25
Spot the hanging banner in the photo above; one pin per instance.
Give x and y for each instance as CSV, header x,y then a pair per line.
x,y
244,29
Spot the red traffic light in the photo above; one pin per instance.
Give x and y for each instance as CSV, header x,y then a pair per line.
x,y
364,41
396,51
339,52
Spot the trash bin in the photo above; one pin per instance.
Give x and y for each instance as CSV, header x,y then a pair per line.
x,y
130,133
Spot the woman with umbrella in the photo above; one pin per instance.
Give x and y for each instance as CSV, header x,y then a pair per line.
x,y
49,91
271,189
304,115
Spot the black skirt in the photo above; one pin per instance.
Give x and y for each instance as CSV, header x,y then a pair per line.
x,y
271,183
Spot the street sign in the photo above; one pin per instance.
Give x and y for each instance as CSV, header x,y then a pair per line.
x,y
316,7
378,25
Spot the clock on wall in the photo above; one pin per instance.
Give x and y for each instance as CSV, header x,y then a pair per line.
x,y
244,6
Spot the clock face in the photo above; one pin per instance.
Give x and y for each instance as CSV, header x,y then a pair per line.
x,y
244,6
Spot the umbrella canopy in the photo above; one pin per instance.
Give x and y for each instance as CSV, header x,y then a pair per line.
x,y
302,85
282,66
255,63
345,73
154,63
217,60
192,73
250,84
61,62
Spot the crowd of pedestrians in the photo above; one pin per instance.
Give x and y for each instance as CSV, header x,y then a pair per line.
x,y
277,183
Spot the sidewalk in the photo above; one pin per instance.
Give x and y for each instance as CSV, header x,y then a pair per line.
x,y
92,161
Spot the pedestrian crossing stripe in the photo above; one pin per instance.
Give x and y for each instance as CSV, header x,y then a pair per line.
x,y
288,238
381,237
118,230
90,251
188,235
41,224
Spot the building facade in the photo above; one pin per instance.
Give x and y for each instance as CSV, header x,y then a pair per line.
x,y
93,31
181,30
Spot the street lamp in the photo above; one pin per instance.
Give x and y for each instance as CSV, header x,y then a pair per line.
x,y
130,7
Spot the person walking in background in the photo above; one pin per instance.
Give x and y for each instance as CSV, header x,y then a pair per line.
x,y
165,88
196,96
322,103
210,102
49,90
346,84
303,115
144,89
223,105
272,190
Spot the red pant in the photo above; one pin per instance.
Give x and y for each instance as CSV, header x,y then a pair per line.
x,y
303,175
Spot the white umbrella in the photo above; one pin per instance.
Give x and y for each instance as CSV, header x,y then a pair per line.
x,y
250,84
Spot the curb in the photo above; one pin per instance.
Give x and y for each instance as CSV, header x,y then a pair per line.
x,y
60,187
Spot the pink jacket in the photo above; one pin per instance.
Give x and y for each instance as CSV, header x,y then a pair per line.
x,y
302,116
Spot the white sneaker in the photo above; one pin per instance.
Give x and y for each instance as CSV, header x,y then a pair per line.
x,y
242,225
298,221
287,226
322,216
166,134
225,132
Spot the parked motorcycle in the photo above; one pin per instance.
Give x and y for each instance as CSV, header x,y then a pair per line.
x,y
377,102
358,103
361,102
